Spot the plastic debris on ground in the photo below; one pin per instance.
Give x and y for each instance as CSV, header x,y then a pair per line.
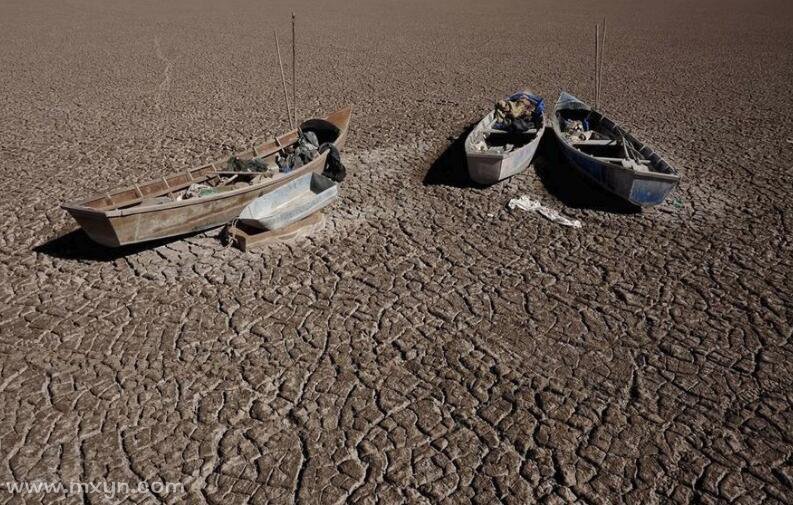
x,y
526,203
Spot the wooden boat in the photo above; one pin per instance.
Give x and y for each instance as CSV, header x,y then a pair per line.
x,y
611,157
290,203
494,155
151,210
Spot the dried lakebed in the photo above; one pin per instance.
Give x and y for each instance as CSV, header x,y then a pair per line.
x,y
428,345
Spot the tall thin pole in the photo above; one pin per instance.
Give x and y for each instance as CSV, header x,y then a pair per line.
x,y
294,81
283,80
597,65
602,52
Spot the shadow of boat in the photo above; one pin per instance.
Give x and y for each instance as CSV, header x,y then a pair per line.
x,y
570,187
451,168
76,245
560,179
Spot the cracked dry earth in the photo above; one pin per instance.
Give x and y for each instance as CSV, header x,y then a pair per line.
x,y
427,345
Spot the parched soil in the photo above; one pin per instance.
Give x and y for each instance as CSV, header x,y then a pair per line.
x,y
428,345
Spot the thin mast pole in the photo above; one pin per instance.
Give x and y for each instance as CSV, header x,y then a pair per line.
x,y
602,52
597,65
283,79
294,73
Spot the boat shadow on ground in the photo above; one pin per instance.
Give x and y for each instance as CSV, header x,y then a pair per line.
x,y
76,245
560,179
450,168
565,183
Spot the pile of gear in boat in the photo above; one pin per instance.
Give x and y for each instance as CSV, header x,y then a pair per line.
x,y
513,118
519,113
306,150
579,131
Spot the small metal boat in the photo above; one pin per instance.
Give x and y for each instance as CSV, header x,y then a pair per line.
x,y
608,155
494,155
290,203
155,209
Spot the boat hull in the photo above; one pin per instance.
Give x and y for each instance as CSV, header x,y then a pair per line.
x,y
485,168
115,231
489,168
647,187
125,226
639,189
290,203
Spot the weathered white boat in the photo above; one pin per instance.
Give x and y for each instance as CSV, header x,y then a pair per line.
x,y
494,155
290,203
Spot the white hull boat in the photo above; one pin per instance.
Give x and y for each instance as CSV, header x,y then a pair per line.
x,y
290,203
494,155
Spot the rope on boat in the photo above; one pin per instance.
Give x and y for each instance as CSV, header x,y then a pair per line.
x,y
230,239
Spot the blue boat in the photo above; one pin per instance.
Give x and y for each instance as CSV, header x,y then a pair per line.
x,y
610,156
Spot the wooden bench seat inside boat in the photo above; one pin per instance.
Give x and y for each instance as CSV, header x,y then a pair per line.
x,y
493,131
595,142
619,160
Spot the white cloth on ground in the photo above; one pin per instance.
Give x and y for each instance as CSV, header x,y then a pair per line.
x,y
526,203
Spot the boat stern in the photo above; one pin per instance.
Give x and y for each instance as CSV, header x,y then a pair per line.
x,y
649,192
485,168
341,119
95,224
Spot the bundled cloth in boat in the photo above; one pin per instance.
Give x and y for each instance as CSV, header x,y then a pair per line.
x,y
307,148
200,190
519,112
576,130
253,165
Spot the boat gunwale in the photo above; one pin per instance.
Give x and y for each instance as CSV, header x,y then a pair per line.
x,y
80,207
471,152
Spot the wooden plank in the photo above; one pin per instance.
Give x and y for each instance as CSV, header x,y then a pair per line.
x,y
620,160
595,142
493,131
246,238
